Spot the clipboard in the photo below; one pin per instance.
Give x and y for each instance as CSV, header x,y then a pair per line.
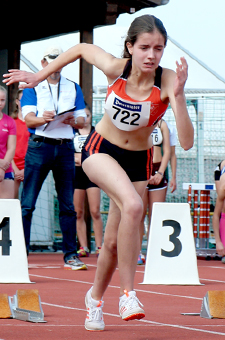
x,y
58,119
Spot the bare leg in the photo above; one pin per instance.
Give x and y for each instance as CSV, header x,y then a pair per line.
x,y
155,196
107,260
16,188
129,244
79,198
7,188
125,216
145,205
94,198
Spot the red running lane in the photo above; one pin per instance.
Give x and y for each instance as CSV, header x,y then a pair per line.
x,y
62,294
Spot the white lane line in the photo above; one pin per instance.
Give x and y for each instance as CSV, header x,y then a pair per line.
x,y
137,271
153,323
133,324
142,272
187,328
210,280
117,287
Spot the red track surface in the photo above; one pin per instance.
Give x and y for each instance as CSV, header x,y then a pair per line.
x,y
62,294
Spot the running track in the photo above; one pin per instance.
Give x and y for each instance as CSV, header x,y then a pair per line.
x,y
62,293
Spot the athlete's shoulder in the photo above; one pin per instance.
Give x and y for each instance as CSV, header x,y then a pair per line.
x,y
167,72
115,69
167,81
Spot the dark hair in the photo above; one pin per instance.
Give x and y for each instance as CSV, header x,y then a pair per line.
x,y
14,114
143,24
87,106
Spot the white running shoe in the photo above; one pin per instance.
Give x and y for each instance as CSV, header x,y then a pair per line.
x,y
94,319
129,306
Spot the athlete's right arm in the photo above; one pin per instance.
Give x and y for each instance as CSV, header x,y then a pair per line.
x,y
220,189
216,226
112,67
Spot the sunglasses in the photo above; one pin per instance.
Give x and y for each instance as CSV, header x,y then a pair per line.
x,y
51,56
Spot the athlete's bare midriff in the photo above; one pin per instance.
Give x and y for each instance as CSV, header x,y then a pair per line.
x,y
137,140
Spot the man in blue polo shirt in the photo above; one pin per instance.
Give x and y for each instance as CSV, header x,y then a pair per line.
x,y
51,147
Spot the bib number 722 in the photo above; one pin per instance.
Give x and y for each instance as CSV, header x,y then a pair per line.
x,y
5,242
126,116
173,239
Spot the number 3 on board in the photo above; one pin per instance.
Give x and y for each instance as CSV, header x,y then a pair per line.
x,y
5,242
173,238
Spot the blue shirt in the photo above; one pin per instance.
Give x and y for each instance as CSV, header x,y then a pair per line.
x,y
60,97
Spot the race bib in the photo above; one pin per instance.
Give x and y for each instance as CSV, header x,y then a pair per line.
x,y
157,136
127,115
79,142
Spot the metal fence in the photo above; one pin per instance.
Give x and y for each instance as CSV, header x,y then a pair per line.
x,y
207,112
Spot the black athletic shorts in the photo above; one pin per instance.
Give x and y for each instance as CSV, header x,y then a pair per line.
x,y
82,181
137,164
218,172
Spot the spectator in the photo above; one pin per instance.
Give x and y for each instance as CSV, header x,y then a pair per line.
x,y
52,149
22,136
7,149
219,211
173,158
84,186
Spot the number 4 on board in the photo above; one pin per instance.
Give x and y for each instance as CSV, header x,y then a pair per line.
x,y
5,242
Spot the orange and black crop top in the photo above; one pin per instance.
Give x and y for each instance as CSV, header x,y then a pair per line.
x,y
128,114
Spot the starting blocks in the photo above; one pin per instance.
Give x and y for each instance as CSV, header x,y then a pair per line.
x,y
25,305
5,312
213,305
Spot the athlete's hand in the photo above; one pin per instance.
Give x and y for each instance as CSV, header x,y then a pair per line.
x,y
19,174
173,185
16,76
2,175
4,165
220,248
181,76
156,179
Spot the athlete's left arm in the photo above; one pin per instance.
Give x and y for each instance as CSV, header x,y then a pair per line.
x,y
166,147
216,225
174,83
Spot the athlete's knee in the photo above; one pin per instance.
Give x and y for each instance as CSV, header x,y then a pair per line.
x,y
80,213
95,213
110,245
134,207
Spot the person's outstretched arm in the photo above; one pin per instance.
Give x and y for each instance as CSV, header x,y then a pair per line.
x,y
94,55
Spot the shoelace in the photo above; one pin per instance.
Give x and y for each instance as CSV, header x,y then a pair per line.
x,y
74,259
95,313
131,301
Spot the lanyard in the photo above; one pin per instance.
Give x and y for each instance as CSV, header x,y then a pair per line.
x,y
58,92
